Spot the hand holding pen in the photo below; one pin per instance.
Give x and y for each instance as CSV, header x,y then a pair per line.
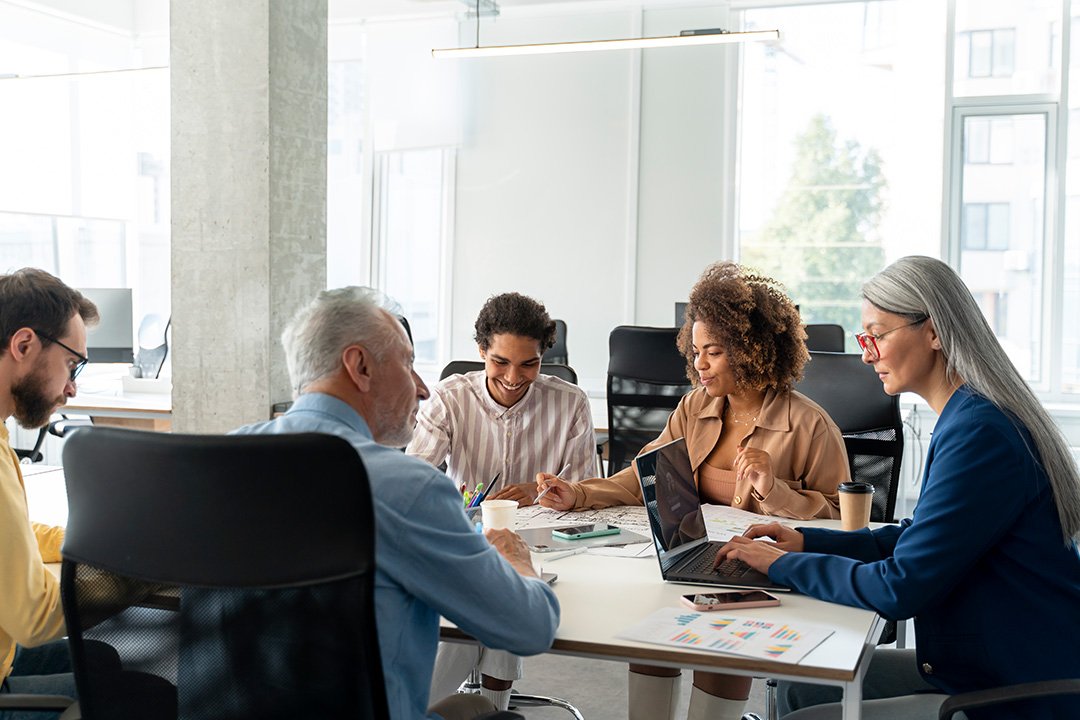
x,y
563,496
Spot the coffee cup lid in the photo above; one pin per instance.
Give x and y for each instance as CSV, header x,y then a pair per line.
x,y
856,487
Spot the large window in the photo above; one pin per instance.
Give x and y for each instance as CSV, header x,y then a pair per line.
x,y
840,147
1002,219
84,184
413,209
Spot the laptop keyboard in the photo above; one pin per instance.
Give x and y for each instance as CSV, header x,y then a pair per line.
x,y
702,565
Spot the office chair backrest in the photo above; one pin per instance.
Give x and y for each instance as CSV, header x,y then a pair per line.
x,y
849,390
824,338
34,454
646,379
233,574
557,353
460,367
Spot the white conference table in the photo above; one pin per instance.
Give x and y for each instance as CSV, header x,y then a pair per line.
x,y
601,596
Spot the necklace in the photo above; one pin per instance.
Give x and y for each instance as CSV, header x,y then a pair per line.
x,y
736,418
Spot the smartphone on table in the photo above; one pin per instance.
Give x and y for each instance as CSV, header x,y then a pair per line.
x,y
730,599
584,531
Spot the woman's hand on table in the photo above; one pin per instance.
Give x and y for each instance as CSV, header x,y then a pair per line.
x,y
760,555
524,493
557,493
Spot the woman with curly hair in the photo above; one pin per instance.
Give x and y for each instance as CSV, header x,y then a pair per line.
x,y
754,444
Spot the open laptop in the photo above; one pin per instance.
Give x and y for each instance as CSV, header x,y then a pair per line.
x,y
678,527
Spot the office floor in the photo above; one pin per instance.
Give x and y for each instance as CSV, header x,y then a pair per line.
x,y
597,688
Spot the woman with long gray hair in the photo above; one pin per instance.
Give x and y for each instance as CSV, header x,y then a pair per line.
x,y
988,565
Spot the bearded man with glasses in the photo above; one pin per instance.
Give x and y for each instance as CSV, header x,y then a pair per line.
x,y
42,349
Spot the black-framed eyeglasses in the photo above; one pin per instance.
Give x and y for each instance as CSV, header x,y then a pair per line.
x,y
868,342
77,367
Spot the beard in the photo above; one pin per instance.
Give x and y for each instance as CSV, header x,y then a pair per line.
x,y
33,406
395,431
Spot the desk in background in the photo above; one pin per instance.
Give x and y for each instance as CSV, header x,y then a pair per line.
x,y
101,395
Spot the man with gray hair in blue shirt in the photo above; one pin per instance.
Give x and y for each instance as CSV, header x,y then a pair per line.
x,y
350,364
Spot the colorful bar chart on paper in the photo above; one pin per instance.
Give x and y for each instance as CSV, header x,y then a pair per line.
x,y
751,637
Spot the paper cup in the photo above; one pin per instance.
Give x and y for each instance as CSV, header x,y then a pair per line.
x,y
498,514
855,501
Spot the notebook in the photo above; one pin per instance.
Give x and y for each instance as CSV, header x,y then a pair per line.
x,y
682,544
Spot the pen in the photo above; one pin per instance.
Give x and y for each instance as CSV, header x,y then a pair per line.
x,y
480,496
477,494
558,474
548,557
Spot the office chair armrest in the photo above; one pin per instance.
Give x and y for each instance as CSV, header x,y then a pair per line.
x,y
1007,693
13,701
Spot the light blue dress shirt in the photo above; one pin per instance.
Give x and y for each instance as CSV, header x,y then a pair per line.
x,y
429,561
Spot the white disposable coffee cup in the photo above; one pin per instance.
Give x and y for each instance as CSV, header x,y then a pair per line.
x,y
856,499
498,514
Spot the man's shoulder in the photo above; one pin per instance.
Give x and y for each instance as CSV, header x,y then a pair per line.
x,y
552,386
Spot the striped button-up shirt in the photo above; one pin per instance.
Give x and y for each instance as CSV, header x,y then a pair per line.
x,y
548,429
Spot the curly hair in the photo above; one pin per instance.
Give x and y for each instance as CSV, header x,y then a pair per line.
x,y
755,322
514,314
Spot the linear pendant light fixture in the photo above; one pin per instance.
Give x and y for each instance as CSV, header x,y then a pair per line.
x,y
688,38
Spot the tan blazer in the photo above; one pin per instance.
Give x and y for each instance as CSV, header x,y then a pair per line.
x,y
806,448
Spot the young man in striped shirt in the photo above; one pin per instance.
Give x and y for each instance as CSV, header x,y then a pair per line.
x,y
508,420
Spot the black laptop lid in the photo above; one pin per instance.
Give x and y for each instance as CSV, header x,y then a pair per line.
x,y
671,496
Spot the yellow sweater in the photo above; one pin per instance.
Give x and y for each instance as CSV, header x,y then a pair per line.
x,y
30,609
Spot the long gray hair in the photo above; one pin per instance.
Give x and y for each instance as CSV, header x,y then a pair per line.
x,y
317,335
917,288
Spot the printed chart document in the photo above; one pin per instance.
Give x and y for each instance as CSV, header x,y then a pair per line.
x,y
729,633
723,522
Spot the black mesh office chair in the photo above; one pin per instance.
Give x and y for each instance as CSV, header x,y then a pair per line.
x,y
460,367
236,573
558,353
824,338
645,381
849,390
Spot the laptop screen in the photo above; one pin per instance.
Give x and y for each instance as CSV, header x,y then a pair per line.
x,y
671,496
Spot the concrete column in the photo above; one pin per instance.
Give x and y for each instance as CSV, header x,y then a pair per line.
x,y
248,199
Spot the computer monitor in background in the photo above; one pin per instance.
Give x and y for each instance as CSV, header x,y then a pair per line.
x,y
110,341
680,313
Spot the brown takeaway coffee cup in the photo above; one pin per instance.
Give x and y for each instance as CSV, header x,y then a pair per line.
x,y
855,501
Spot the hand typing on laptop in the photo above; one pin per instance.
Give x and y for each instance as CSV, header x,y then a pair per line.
x,y
760,555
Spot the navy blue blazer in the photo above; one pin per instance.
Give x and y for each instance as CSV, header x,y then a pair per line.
x,y
981,566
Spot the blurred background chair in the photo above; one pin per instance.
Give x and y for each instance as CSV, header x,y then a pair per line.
x,y
646,378
824,338
558,353
849,390
460,367
34,454
270,541
59,428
